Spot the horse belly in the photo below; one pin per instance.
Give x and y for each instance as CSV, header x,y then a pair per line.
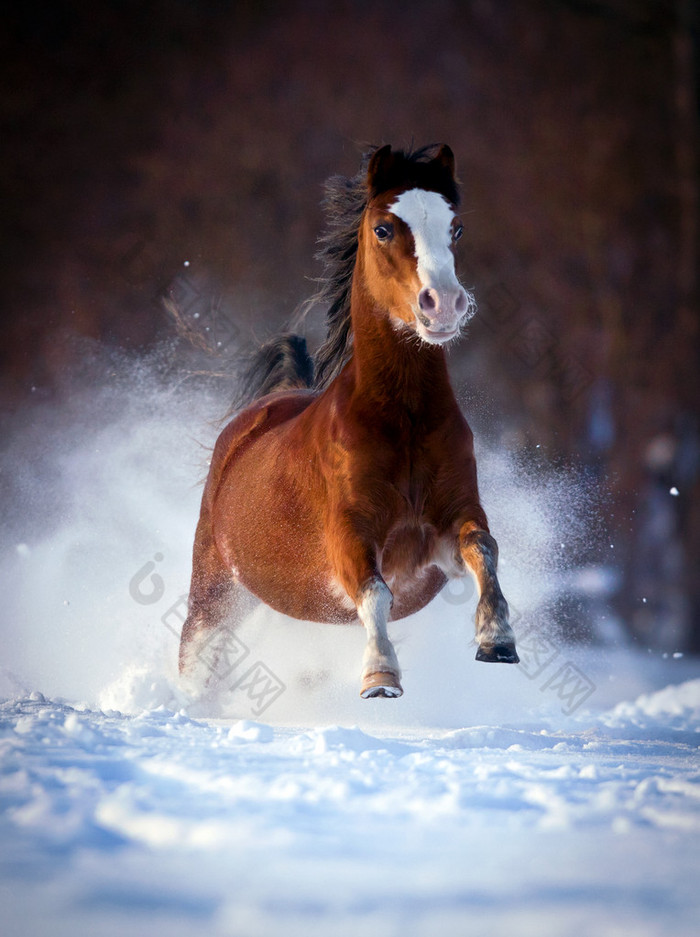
x,y
412,570
268,530
413,595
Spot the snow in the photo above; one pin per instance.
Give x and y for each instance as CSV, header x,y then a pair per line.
x,y
167,824
559,796
675,706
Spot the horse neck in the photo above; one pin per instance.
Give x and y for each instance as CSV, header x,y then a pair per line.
x,y
392,368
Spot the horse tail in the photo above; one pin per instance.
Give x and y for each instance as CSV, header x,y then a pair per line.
x,y
282,363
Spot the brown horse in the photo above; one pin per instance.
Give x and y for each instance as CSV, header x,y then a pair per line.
x,y
347,489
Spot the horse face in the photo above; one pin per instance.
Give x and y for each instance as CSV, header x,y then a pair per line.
x,y
410,237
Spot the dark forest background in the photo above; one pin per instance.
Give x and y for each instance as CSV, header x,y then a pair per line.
x,y
137,136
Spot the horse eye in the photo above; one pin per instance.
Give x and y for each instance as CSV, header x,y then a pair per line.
x,y
384,232
458,232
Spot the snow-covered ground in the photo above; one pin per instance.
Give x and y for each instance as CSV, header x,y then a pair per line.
x,y
160,823
557,797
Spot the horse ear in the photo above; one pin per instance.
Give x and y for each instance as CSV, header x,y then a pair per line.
x,y
379,168
446,159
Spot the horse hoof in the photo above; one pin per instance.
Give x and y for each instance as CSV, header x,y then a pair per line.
x,y
498,654
381,685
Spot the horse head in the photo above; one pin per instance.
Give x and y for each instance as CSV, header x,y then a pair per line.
x,y
406,240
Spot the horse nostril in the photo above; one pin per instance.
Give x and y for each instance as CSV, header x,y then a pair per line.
x,y
462,303
428,299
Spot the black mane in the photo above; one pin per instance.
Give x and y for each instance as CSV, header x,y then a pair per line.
x,y
344,202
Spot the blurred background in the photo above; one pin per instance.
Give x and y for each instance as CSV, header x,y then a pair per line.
x,y
176,151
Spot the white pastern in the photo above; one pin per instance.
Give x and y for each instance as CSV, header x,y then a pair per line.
x,y
375,603
373,610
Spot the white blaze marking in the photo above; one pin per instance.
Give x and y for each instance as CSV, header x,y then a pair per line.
x,y
429,216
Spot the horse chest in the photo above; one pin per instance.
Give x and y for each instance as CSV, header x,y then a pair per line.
x,y
415,479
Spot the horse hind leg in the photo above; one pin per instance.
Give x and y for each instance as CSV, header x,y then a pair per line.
x,y
206,639
209,649
493,631
380,666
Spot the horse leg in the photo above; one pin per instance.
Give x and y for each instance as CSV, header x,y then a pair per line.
x,y
380,666
494,634
208,651
357,570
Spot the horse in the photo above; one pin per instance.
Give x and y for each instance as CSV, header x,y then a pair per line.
x,y
345,489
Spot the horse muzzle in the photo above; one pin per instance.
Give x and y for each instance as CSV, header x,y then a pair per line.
x,y
442,312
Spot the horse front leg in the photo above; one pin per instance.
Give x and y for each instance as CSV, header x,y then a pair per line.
x,y
380,666
494,634
357,570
